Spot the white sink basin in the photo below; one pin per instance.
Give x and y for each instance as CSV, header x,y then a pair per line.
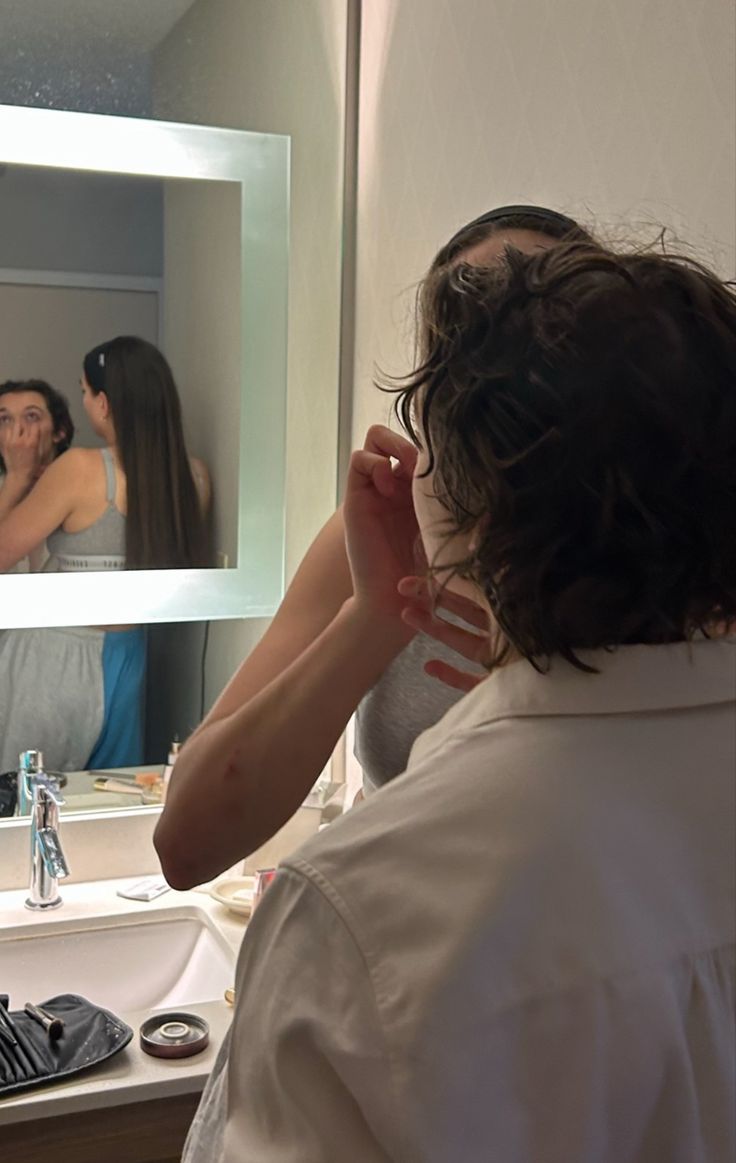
x,y
168,959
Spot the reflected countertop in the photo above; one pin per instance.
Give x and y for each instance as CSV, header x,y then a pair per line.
x,y
81,795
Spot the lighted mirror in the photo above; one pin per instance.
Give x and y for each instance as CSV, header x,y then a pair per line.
x,y
177,234
123,210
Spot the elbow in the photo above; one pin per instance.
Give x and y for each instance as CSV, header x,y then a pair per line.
x,y
177,860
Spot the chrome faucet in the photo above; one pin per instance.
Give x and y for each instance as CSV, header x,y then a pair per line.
x,y
39,794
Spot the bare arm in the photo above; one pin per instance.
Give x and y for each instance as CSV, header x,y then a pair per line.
x,y
320,587
247,768
263,758
20,448
30,512
202,483
12,492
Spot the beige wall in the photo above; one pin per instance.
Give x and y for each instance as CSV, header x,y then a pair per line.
x,y
278,66
616,111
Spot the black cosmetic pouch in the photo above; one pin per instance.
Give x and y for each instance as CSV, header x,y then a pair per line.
x,y
8,793
90,1035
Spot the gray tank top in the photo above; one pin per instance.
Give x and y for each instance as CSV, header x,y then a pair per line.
x,y
101,546
403,703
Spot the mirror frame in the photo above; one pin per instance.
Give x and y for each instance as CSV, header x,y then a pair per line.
x,y
260,164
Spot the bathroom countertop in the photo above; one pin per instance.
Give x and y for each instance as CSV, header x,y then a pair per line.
x,y
131,1075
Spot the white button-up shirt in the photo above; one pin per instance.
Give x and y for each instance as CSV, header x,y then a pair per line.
x,y
520,951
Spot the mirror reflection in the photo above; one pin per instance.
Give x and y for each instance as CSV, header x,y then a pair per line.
x,y
145,221
138,501
172,701
98,470
86,309
89,791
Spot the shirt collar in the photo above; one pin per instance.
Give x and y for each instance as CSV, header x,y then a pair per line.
x,y
631,679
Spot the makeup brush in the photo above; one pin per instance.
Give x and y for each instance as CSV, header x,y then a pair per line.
x,y
7,1025
53,1025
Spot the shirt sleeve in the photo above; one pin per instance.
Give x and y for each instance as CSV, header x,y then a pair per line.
x,y
309,1071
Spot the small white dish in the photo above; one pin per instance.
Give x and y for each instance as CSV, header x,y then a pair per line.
x,y
235,893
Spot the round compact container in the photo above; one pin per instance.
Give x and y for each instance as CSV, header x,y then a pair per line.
x,y
174,1035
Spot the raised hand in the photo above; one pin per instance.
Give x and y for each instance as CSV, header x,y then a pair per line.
x,y
23,450
381,531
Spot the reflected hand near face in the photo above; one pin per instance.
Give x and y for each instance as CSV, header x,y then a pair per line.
x,y
25,448
472,644
381,530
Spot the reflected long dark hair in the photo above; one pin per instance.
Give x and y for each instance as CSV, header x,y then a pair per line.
x,y
165,527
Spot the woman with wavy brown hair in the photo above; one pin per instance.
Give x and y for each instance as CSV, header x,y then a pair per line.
x,y
407,697
44,413
522,948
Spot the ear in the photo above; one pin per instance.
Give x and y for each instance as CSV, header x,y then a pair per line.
x,y
103,404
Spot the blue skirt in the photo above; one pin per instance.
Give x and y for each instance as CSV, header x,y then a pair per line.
x,y
120,742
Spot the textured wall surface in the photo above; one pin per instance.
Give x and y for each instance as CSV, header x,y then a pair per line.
x,y
620,112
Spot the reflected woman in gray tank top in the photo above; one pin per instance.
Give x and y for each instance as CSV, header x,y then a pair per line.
x,y
134,504
101,546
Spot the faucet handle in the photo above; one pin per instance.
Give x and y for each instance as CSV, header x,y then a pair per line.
x,y
31,761
52,853
47,786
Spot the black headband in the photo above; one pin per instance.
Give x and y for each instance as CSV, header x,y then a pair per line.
x,y
540,212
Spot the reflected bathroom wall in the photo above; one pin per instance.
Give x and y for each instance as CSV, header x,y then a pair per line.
x,y
202,283
82,262
78,221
